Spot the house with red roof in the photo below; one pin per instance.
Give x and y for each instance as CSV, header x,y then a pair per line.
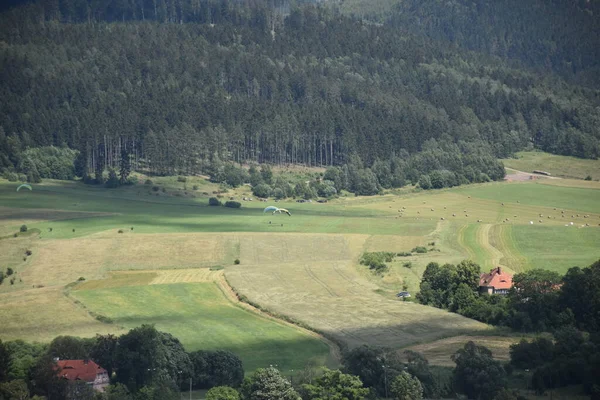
x,y
83,370
496,281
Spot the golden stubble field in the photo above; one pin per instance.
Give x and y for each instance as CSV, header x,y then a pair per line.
x,y
61,261
319,284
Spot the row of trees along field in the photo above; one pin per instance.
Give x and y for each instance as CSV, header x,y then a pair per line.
x,y
173,84
146,364
539,301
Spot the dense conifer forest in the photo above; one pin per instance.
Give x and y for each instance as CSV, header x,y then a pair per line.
x,y
173,85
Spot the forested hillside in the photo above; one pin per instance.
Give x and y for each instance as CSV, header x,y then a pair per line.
x,y
173,85
555,35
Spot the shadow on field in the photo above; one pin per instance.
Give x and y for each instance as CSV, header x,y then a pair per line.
x,y
399,335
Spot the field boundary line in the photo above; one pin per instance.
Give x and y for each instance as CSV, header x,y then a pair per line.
x,y
232,294
66,292
460,239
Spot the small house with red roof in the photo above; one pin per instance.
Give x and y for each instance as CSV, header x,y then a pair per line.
x,y
83,370
496,281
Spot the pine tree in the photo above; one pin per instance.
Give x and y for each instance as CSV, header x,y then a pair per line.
x,y
125,169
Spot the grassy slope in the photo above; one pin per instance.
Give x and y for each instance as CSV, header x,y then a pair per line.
x,y
556,248
148,214
200,316
300,269
564,166
538,195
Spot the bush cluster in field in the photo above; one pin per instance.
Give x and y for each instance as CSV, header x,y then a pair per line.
x,y
376,261
213,201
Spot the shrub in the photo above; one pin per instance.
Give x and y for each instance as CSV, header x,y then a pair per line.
x,y
262,190
195,187
588,178
404,254
278,193
376,260
233,204
9,271
407,264
12,177
23,228
213,201
12,281
155,188
81,278
237,261
1,277
28,252
181,179
222,393
419,249
113,180
148,182
104,319
120,230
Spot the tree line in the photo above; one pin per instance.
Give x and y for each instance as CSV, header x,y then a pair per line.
x,y
148,364
539,301
264,82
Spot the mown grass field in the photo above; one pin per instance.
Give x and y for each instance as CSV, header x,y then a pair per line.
x,y
563,166
440,351
304,266
202,318
314,279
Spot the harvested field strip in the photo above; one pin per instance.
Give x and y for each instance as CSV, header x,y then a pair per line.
x,y
186,276
61,261
322,297
475,239
460,238
152,277
118,280
501,237
394,243
440,351
42,314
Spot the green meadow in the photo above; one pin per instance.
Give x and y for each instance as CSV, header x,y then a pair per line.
x,y
200,316
563,166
